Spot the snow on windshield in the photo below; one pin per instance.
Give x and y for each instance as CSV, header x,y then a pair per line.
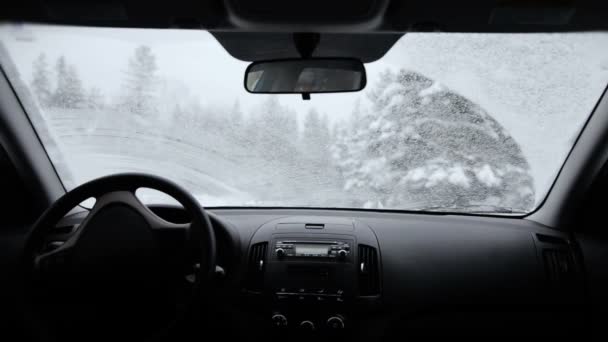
x,y
447,121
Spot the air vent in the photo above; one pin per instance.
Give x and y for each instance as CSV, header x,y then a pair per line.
x,y
257,264
369,271
556,240
560,267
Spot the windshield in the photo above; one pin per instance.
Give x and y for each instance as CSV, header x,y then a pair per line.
x,y
448,122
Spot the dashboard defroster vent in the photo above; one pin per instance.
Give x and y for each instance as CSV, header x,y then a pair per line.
x,y
369,271
256,266
560,267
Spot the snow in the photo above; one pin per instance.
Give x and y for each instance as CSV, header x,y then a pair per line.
x,y
445,118
487,176
457,177
434,89
433,175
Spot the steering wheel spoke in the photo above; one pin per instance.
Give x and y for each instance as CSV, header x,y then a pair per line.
x,y
158,225
55,261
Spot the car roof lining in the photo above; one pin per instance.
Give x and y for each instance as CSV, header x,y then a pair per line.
x,y
260,29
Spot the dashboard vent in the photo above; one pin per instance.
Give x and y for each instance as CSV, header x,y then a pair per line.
x,y
257,264
560,267
369,271
556,240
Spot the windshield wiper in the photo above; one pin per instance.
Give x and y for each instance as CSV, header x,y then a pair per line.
x,y
472,208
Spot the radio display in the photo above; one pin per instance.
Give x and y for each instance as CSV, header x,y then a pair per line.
x,y
311,249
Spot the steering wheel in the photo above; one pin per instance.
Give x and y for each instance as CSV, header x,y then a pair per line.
x,y
123,265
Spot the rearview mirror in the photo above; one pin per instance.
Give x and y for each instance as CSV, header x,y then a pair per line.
x,y
305,76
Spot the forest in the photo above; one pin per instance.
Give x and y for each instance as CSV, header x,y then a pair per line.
x,y
414,144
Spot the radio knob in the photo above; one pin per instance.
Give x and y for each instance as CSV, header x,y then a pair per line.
x,y
279,321
280,252
342,254
307,325
335,323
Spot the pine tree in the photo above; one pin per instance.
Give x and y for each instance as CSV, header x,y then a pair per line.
x,y
69,92
60,95
140,82
422,144
274,128
75,91
41,84
315,136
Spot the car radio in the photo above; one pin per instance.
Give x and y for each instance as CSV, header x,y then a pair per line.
x,y
312,249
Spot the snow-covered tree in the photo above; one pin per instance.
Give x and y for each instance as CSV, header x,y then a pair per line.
x,y
315,137
41,84
75,91
69,92
140,82
426,145
60,95
274,129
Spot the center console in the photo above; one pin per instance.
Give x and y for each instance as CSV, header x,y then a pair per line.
x,y
312,275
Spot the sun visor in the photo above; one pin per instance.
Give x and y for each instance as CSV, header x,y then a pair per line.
x,y
264,46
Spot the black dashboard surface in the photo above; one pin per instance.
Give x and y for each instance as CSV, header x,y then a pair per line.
x,y
440,273
434,258
436,269
427,259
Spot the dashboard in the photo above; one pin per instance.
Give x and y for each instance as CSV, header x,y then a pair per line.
x,y
365,274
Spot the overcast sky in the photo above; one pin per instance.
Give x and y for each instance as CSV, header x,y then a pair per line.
x,y
540,87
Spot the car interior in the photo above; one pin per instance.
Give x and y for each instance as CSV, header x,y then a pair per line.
x,y
128,269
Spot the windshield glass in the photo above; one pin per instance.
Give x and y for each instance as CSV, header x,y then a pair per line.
x,y
448,122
